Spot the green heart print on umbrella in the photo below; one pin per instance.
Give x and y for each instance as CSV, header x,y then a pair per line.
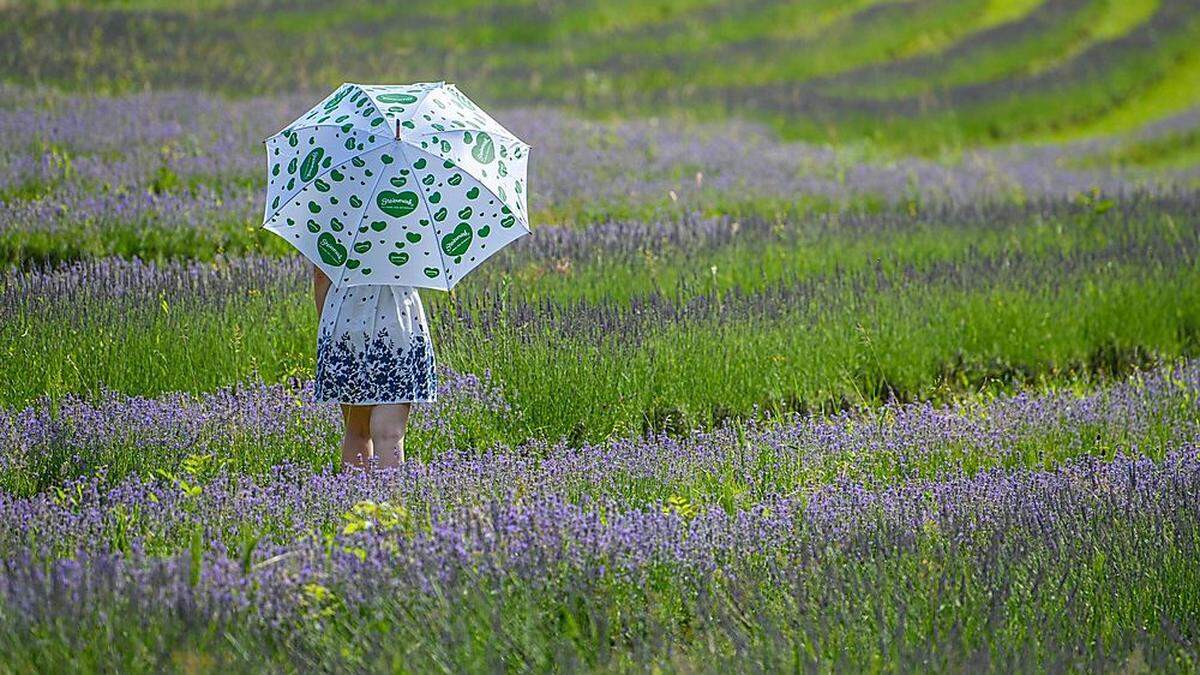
x,y
330,250
312,164
484,150
457,242
396,98
397,204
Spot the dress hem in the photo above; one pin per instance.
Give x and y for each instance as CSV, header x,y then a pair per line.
x,y
378,402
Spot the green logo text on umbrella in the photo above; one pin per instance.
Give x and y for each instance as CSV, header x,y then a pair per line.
x,y
411,185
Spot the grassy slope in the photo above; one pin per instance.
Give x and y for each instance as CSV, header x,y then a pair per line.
x,y
704,56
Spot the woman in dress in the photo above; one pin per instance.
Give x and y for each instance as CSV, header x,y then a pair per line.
x,y
374,357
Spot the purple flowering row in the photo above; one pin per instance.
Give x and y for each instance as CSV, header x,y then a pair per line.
x,y
377,550
1150,415
104,161
130,283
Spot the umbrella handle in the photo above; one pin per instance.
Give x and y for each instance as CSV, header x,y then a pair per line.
x,y
397,129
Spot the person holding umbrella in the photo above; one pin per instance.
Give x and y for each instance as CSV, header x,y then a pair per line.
x,y
387,188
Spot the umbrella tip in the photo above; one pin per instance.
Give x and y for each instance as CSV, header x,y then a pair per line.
x,y
397,129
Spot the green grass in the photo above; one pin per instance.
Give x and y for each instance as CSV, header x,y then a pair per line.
x,y
702,57
842,346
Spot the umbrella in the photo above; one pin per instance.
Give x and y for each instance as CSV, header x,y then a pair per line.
x,y
410,185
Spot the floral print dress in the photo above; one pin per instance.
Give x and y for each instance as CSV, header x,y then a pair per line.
x,y
373,347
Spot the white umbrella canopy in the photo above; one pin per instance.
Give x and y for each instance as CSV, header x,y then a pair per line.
x,y
410,185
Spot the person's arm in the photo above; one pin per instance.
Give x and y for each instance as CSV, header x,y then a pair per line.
x,y
321,283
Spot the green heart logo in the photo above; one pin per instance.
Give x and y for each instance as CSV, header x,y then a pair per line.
x,y
321,185
352,263
398,181
440,215
507,221
313,226
275,169
292,166
412,237
428,180
336,225
290,222
473,193
398,258
397,204
355,201
484,150
457,242
337,98
408,124
501,169
362,247
358,162
377,121
346,129
386,159
456,179
464,213
432,272
378,225
397,98
484,231
314,207
349,144
435,198
467,138
420,163
447,164
330,250
337,176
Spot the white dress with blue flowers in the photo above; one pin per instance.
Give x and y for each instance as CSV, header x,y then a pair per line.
x,y
373,347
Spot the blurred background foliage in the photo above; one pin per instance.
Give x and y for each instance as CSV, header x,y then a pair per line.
x,y
918,75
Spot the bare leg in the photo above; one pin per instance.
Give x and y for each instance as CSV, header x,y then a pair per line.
x,y
356,444
388,424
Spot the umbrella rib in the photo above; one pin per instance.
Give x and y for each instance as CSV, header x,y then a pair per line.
x,y
436,242
284,202
366,207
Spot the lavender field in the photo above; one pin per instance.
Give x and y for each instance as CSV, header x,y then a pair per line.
x,y
851,337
